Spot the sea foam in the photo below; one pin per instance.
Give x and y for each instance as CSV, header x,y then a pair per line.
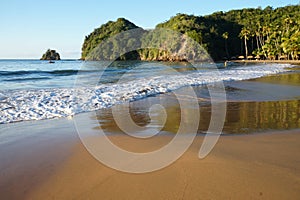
x,y
38,104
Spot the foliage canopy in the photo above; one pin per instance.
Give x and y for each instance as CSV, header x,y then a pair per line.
x,y
253,33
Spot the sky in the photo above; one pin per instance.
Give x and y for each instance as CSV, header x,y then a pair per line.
x,y
30,27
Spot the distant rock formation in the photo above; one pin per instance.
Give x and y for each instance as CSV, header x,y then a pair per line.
x,y
50,55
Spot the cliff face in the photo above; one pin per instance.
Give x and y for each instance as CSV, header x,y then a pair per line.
x,y
50,55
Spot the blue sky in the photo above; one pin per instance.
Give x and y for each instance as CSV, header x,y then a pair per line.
x,y
30,27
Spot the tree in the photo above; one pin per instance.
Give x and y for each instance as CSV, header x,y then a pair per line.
x,y
245,35
269,33
225,36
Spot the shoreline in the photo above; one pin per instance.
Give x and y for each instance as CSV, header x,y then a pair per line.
x,y
50,162
46,159
293,62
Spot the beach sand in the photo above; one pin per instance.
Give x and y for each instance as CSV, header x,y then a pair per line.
x,y
258,166
50,162
46,159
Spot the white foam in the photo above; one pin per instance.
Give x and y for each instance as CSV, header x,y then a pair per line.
x,y
21,105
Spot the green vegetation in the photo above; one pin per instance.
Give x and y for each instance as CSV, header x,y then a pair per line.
x,y
268,33
252,33
50,55
209,31
167,45
265,33
104,32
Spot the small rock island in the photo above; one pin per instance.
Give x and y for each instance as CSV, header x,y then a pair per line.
x,y
51,55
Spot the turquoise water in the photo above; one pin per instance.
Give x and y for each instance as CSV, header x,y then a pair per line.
x,y
36,90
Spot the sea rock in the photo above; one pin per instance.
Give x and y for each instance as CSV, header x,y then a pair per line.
x,y
50,55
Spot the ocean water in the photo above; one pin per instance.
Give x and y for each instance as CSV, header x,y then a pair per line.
x,y
38,90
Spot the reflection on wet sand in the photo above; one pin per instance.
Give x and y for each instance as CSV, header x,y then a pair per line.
x,y
264,104
241,117
284,79
247,117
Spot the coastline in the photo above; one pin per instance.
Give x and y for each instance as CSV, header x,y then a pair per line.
x,y
188,109
46,160
50,162
292,62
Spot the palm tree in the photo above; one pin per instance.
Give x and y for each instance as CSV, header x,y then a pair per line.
x,y
225,36
245,34
290,44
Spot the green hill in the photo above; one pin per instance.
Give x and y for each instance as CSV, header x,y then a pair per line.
x,y
105,31
253,33
268,33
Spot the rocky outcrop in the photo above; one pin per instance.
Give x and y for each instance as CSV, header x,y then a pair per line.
x,y
50,55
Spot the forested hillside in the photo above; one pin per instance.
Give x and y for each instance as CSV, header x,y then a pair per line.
x,y
253,33
104,32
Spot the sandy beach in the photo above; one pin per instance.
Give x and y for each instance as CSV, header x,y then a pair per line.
x,y
150,101
256,166
257,157
48,161
247,167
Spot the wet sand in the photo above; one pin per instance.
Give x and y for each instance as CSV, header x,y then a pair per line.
x,y
53,164
258,166
46,159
